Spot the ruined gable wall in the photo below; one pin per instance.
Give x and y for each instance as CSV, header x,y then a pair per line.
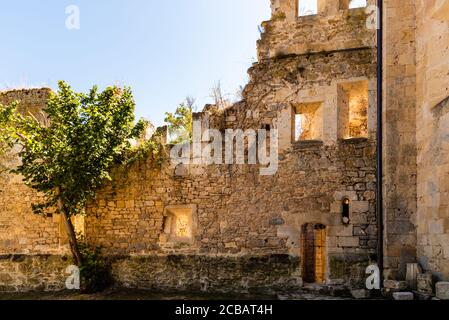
x,y
335,27
432,41
242,216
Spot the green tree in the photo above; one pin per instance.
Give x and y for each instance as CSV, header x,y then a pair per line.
x,y
180,123
71,155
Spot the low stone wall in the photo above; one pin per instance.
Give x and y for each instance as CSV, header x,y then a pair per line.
x,y
21,273
350,269
221,274
244,274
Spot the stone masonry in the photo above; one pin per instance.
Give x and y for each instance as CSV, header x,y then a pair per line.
x,y
224,227
242,215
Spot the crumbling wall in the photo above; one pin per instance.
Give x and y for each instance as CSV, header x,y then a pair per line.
x,y
242,215
334,28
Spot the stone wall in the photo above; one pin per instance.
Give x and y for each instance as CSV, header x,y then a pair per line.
x,y
240,214
21,231
333,29
19,273
246,230
432,41
203,273
399,136
248,224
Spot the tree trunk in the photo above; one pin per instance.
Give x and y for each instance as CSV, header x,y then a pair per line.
x,y
72,238
77,256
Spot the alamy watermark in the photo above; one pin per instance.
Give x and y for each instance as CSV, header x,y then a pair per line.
x,y
72,282
373,281
373,17
240,147
73,21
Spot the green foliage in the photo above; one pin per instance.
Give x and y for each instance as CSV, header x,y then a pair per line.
x,y
68,159
180,123
6,132
95,270
153,150
6,141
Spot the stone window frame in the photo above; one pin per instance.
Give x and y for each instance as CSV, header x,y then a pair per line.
x,y
337,205
170,213
344,116
318,105
327,7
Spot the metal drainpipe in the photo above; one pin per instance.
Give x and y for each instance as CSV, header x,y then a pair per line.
x,y
380,217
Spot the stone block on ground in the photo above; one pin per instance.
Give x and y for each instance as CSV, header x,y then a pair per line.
x,y
403,296
424,283
413,271
395,285
360,294
442,290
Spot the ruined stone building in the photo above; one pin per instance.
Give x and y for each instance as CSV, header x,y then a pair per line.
x,y
226,227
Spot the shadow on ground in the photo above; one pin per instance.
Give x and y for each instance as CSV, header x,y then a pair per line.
x,y
114,294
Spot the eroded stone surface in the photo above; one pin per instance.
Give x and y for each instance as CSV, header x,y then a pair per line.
x,y
401,296
442,290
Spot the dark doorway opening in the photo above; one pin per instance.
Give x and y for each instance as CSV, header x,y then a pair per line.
x,y
313,253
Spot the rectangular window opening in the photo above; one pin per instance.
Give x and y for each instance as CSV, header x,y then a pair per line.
x,y
353,110
308,121
179,224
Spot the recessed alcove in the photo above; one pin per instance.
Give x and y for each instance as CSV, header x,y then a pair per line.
x,y
307,121
179,224
353,110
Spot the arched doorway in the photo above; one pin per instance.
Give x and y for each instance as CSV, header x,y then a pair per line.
x,y
313,253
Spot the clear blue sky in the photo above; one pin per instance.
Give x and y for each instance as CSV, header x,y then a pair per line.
x,y
165,50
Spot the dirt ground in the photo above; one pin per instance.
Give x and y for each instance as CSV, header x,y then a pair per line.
x,y
115,294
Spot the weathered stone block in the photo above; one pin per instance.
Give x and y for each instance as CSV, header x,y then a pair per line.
x,y
360,294
413,270
395,285
442,290
401,296
424,283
